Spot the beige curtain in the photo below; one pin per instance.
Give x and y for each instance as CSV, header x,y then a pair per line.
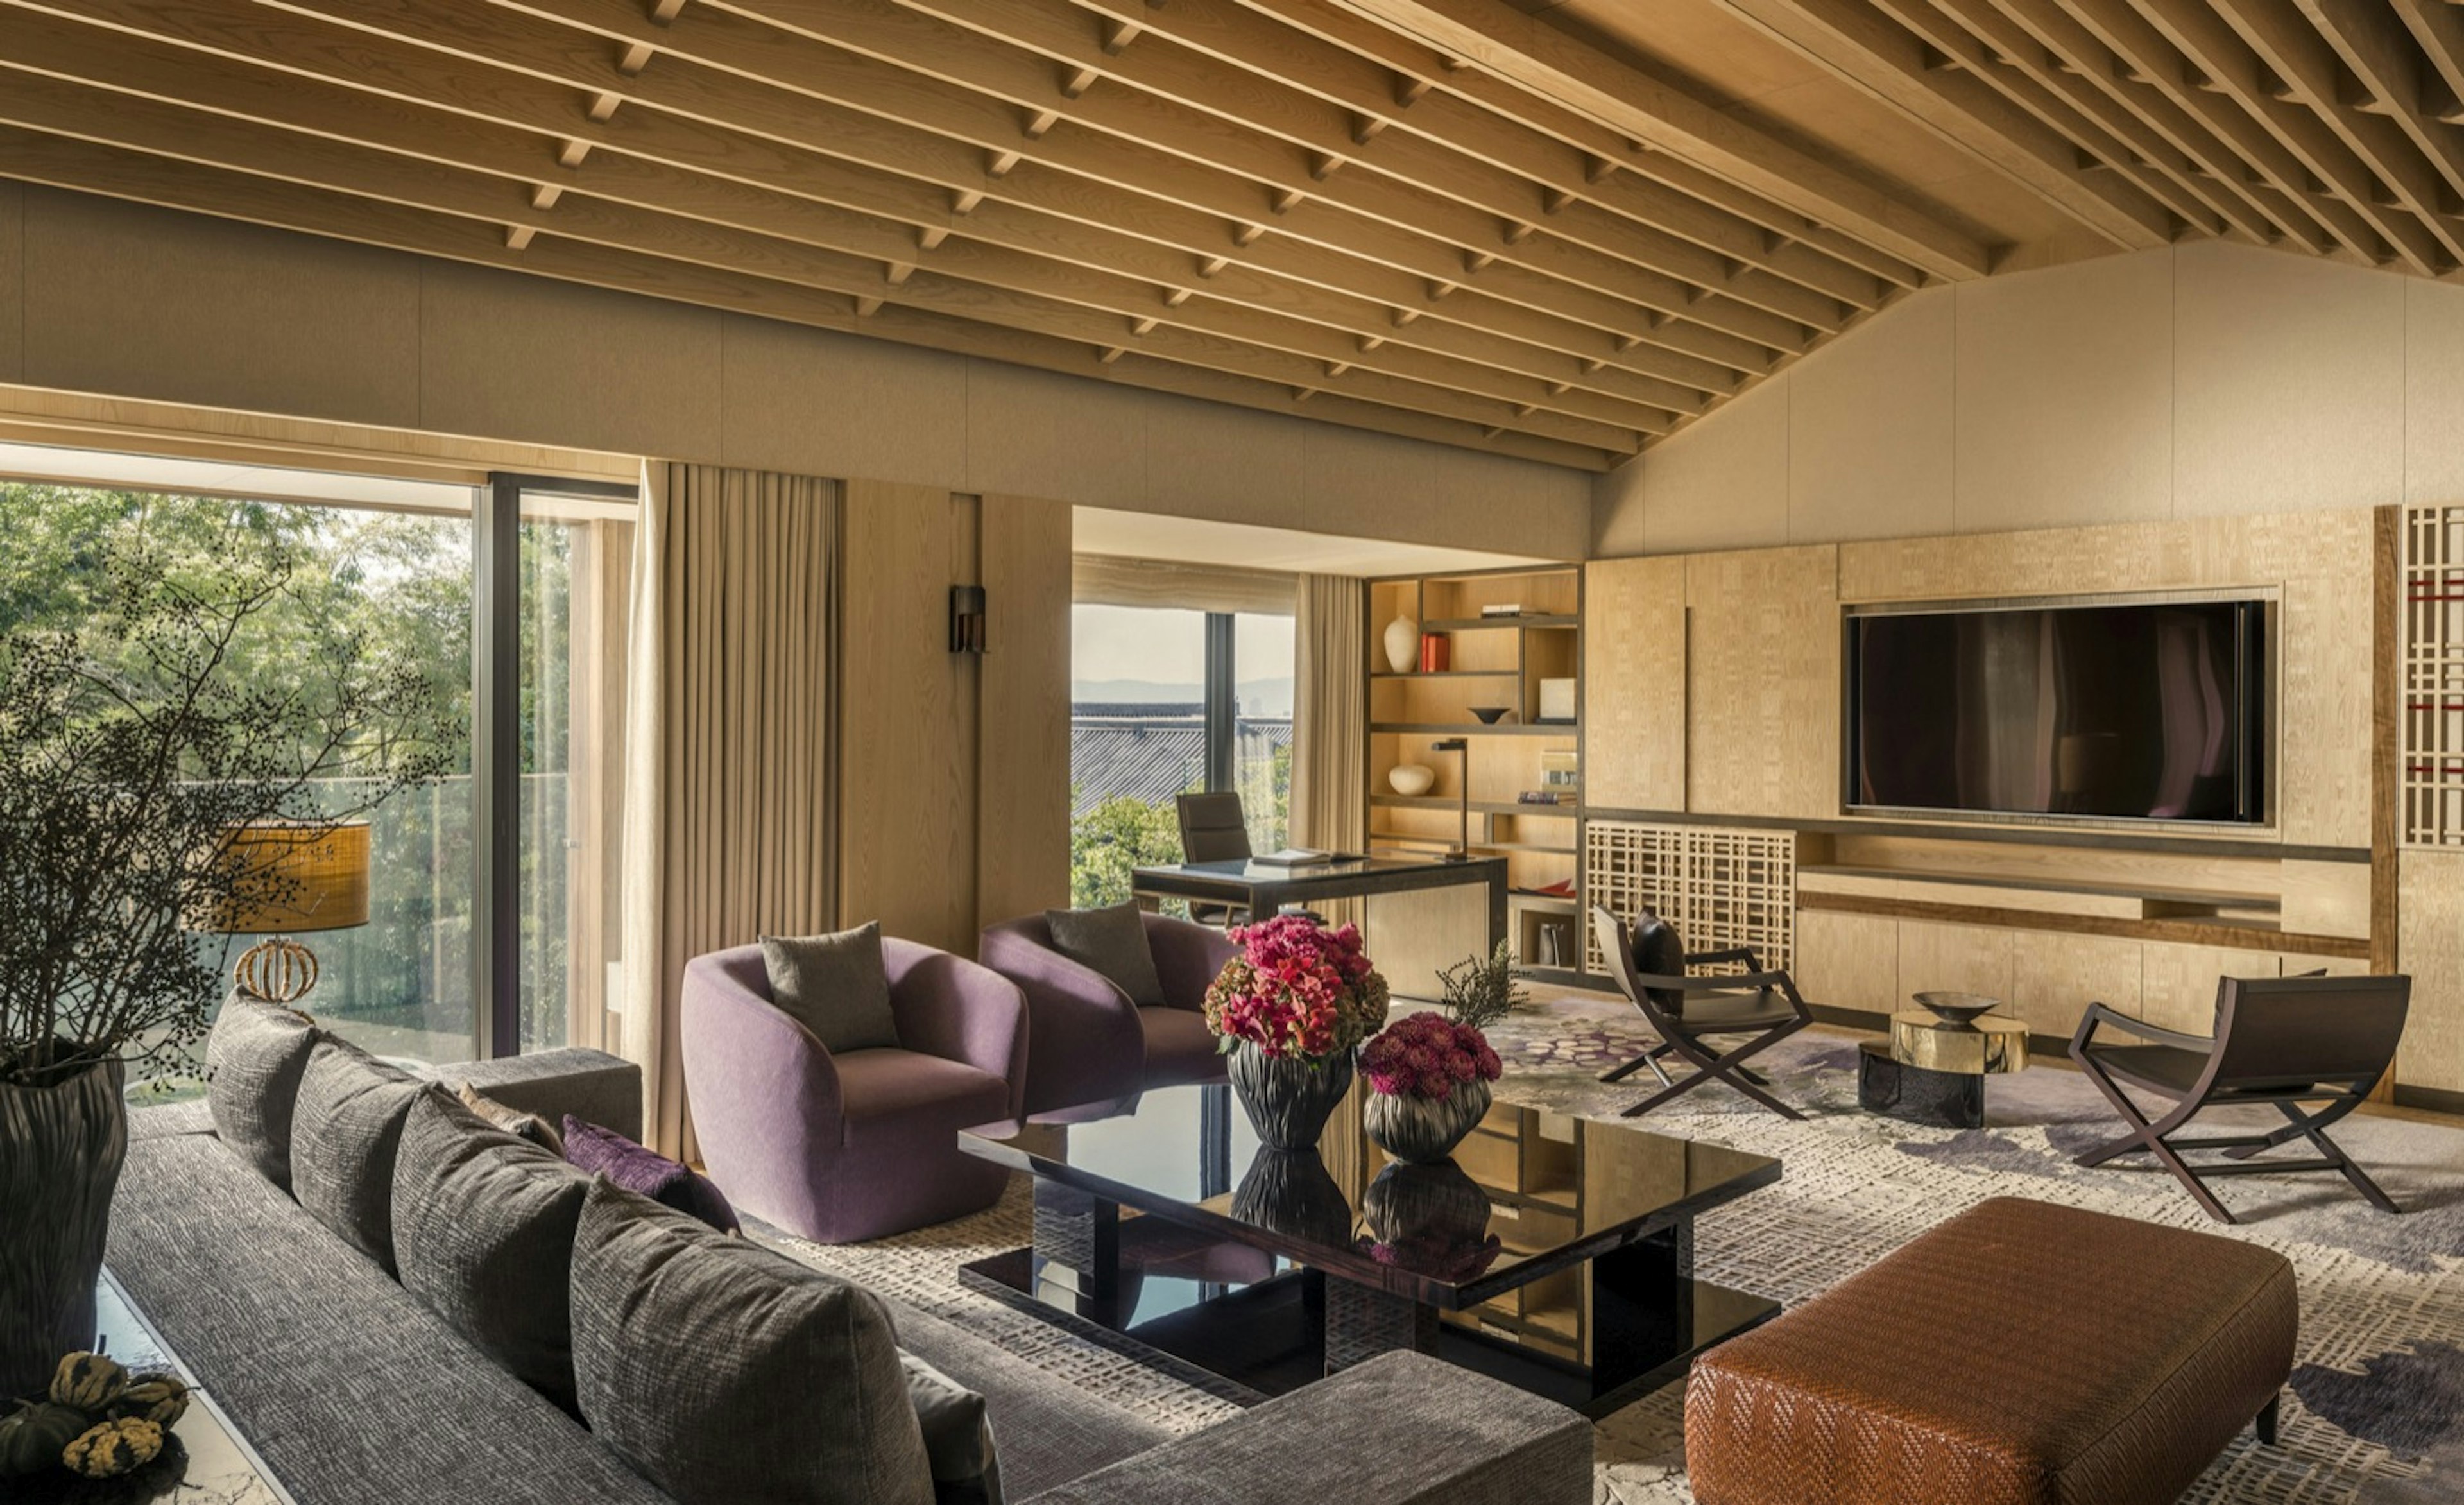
x,y
730,819
1330,715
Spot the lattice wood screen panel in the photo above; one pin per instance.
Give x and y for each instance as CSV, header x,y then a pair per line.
x,y
1720,886
2432,773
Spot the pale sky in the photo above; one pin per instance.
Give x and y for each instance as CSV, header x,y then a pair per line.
x,y
1170,647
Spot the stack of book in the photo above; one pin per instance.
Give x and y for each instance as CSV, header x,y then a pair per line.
x,y
1503,609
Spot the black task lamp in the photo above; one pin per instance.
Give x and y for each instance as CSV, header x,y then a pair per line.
x,y
1461,745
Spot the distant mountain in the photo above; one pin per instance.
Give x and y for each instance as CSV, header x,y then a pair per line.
x,y
1258,696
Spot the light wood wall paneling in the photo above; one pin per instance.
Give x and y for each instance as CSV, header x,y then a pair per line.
x,y
1959,959
1023,729
1635,683
2433,946
2178,982
2053,977
2328,898
2021,861
1849,960
1762,682
907,759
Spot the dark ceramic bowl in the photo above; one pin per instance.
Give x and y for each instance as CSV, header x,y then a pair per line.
x,y
1490,715
1958,1008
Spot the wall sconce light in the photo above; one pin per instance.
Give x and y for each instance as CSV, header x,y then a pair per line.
x,y
966,619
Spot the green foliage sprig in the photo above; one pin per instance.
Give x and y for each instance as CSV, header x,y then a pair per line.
x,y
1480,991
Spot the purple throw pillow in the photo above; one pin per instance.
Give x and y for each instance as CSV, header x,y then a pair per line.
x,y
605,1152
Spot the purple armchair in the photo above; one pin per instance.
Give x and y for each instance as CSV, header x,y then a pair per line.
x,y
1088,1045
860,1145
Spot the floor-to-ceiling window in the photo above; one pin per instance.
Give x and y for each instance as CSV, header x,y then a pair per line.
x,y
394,563
1143,681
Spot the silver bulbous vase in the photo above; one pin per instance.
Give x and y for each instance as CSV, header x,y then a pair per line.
x,y
1289,1098
61,1148
1421,1131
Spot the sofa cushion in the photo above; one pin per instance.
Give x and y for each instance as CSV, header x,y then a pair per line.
x,y
958,1436
351,1391
1111,941
836,986
588,1084
483,1233
1180,1047
253,1061
726,1372
344,1136
605,1152
904,1093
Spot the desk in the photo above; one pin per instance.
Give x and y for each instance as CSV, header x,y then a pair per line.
x,y
1406,945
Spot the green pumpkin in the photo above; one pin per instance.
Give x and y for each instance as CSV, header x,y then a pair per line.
x,y
88,1381
161,1399
112,1449
33,1437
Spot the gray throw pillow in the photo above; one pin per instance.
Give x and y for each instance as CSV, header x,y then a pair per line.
x,y
483,1235
344,1138
835,985
958,1436
725,1372
254,1062
1112,940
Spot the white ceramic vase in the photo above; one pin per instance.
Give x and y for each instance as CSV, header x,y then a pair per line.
x,y
1411,777
1402,644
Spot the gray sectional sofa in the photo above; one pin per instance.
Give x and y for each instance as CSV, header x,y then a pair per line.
x,y
355,1394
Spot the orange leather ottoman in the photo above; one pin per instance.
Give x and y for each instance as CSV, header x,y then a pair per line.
x,y
2020,1354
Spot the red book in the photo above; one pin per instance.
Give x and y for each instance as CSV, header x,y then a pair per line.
x,y
1433,653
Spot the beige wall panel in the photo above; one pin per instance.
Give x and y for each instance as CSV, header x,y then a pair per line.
x,y
1635,684
2322,743
2065,395
2433,392
1231,464
2290,383
1616,510
2431,949
1958,959
556,362
2178,982
2290,964
1038,433
1722,482
1022,730
2055,977
2141,556
1510,505
816,403
1848,961
1354,482
142,302
907,778
2023,863
1762,653
13,282
1411,936
1862,468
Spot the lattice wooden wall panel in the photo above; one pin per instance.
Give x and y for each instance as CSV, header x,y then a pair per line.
x,y
1719,885
2431,777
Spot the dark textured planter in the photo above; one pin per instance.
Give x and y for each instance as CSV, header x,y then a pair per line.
x,y
1293,1193
1432,1220
61,1154
1289,1098
1416,1130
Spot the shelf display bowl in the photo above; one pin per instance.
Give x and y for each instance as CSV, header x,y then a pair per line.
x,y
1490,715
1957,1009
1411,778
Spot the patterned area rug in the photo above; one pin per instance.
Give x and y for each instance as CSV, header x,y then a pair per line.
x,y
2376,1414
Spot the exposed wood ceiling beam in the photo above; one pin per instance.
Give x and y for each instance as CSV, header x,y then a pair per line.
x,y
1530,53
2384,59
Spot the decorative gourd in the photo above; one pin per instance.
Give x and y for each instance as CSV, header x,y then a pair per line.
x,y
33,1436
88,1381
114,1448
161,1399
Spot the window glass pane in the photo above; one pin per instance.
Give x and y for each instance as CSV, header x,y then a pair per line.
x,y
1137,738
1261,680
396,584
576,562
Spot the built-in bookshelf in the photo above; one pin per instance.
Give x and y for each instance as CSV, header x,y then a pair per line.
x,y
1512,644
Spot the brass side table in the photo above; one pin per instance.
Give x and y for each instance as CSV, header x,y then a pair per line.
x,y
1932,1072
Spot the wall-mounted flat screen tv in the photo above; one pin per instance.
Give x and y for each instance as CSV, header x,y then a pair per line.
x,y
2153,711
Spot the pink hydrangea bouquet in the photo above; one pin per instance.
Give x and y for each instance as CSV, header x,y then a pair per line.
x,y
1296,989
1428,1056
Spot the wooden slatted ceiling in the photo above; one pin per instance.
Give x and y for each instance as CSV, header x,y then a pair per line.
x,y
1441,218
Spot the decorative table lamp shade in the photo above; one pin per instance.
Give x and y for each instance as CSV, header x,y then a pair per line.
x,y
298,877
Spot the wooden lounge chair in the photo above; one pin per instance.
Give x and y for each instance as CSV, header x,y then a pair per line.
x,y
1685,1010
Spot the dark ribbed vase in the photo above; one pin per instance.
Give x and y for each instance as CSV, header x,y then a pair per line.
x,y
1293,1193
60,1153
1289,1098
1414,1129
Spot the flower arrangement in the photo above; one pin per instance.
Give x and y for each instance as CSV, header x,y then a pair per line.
x,y
1296,989
1428,1056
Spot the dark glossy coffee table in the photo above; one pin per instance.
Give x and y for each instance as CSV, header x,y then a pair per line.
x,y
1554,1252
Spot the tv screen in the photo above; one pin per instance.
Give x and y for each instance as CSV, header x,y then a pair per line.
x,y
2142,711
